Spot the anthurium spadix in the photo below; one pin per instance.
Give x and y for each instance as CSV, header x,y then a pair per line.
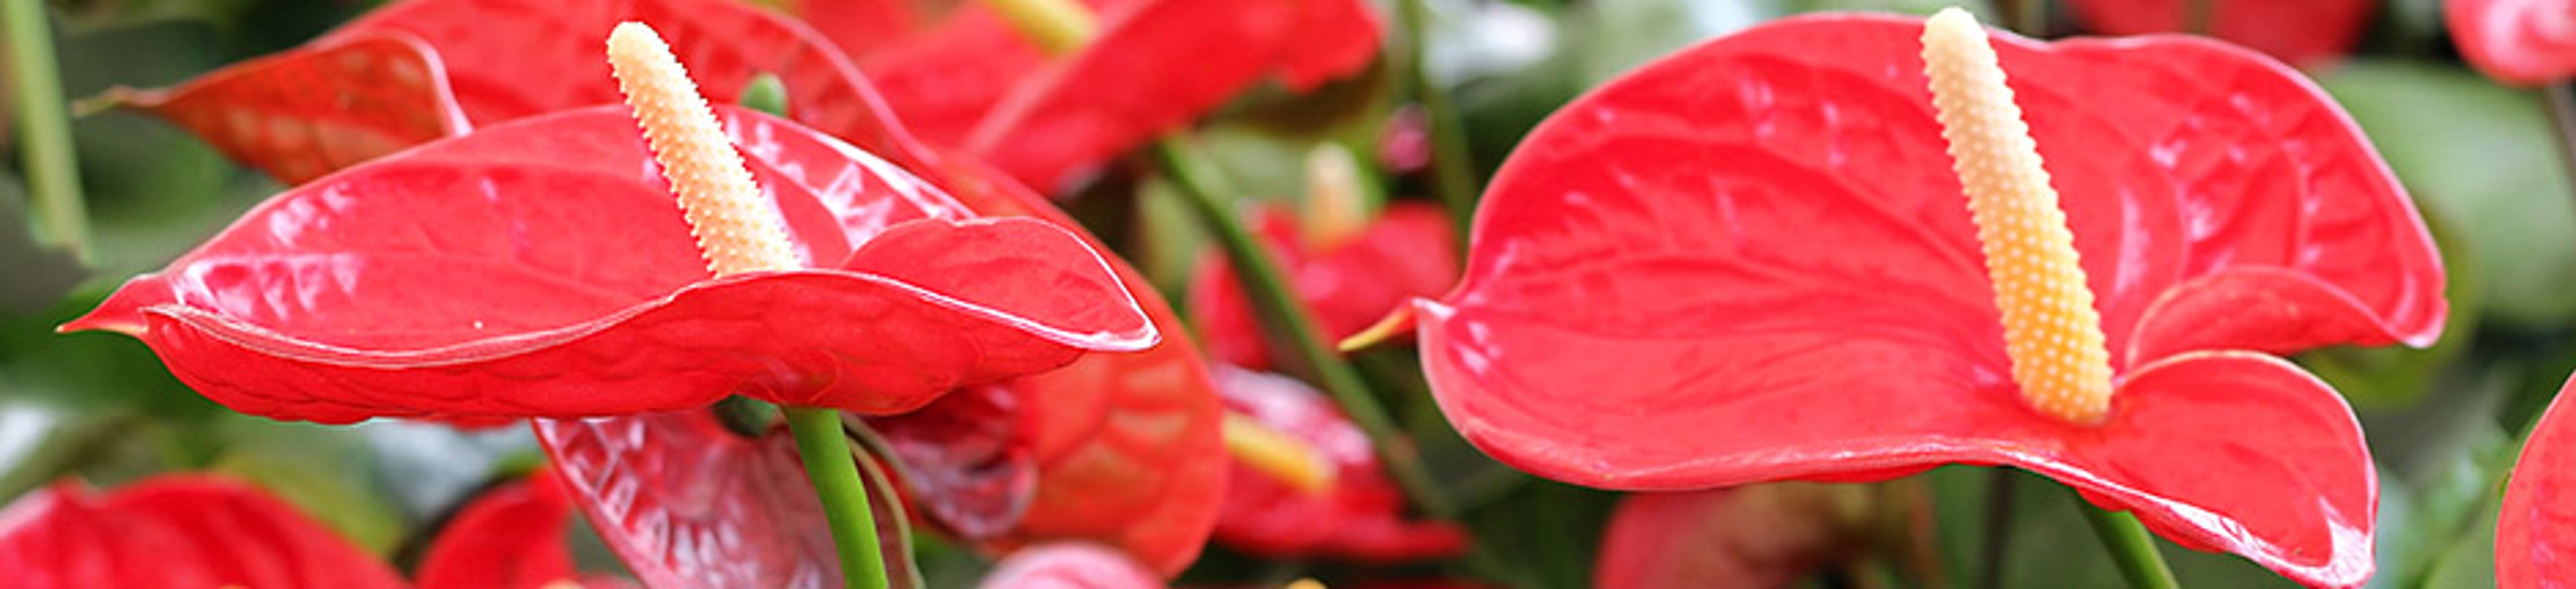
x,y
1755,260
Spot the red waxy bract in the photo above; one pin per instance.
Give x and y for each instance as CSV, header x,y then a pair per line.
x,y
2536,529
1069,566
1410,252
509,537
176,531
1360,515
2520,42
2301,32
1751,261
541,269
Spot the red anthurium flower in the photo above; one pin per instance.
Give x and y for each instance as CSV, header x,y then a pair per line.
x,y
2520,42
1356,513
176,531
1070,566
2536,529
971,81
2296,31
1751,261
510,537
1124,447
540,269
1409,252
418,70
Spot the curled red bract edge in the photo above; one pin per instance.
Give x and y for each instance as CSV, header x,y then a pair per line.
x,y
2301,32
176,531
1408,252
2536,528
540,269
1358,516
2519,42
1751,261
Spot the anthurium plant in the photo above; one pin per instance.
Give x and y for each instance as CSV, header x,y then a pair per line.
x,y
1123,294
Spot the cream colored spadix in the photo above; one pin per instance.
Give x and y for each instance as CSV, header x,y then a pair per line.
x,y
2051,331
735,233
1285,458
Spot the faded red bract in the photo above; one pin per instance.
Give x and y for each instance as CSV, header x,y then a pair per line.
x,y
1408,252
969,81
176,531
2301,32
1358,516
541,269
2518,42
1751,261
417,70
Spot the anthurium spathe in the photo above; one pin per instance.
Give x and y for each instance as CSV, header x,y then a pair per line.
x,y
176,531
1352,512
1752,261
972,81
1408,252
2519,42
508,537
2301,32
540,268
2536,528
418,70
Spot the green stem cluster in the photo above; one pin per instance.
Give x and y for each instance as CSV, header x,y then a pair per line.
x,y
2132,548
52,168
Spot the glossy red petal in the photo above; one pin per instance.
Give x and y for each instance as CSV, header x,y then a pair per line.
x,y
1156,65
1129,448
2296,31
2536,530
509,537
1070,566
1409,252
309,111
176,531
858,26
686,503
538,268
1754,536
2520,42
1359,516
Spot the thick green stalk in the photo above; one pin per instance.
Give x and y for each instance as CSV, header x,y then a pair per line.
x,y
825,450
1285,321
2131,547
45,147
1453,175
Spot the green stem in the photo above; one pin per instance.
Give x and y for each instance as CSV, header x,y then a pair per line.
x,y
825,450
1452,173
1285,321
1999,518
2559,100
53,172
2130,545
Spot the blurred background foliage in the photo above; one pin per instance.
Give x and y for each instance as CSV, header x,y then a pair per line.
x,y
2444,423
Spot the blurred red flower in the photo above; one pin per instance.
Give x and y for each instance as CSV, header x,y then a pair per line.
x,y
1358,514
1409,252
2301,32
2519,42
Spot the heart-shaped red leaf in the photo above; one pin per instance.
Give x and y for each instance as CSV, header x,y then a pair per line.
x,y
176,531
540,268
2536,528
